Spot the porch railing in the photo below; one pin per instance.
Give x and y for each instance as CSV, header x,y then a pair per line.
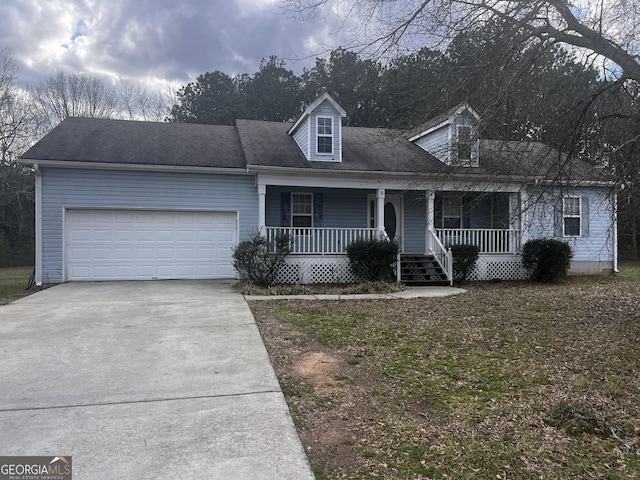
x,y
487,240
321,240
442,255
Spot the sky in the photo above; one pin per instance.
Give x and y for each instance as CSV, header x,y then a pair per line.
x,y
157,42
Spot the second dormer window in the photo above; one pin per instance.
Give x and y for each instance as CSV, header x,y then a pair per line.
x,y
325,135
463,144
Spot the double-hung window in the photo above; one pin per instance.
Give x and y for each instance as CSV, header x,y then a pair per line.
x,y
301,209
463,144
571,213
451,211
325,135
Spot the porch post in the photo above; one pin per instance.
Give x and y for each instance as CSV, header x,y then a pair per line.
x,y
431,197
380,195
262,208
524,224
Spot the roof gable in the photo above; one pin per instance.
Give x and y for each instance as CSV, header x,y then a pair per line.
x,y
318,131
442,120
324,96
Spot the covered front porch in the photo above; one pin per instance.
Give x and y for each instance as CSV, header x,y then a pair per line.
x,y
322,222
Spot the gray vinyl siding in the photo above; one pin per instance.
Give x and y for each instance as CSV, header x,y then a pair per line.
x,y
342,208
415,222
437,143
301,136
591,246
64,188
326,110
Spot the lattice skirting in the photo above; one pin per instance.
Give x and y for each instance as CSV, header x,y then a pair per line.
x,y
305,269
503,267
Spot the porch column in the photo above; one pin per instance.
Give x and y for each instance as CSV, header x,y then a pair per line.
x,y
431,197
380,195
262,209
524,214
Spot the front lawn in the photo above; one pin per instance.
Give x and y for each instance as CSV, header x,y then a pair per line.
x,y
13,282
510,380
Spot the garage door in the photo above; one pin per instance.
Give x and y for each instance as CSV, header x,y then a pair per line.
x,y
149,245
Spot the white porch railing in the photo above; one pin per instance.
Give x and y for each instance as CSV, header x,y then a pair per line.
x,y
442,255
487,240
321,240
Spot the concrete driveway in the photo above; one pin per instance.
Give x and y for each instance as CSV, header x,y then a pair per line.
x,y
165,379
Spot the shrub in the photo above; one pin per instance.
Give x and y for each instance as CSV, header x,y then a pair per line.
x,y
546,259
253,261
464,259
372,260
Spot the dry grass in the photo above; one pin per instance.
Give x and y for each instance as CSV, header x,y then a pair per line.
x,y
13,282
511,380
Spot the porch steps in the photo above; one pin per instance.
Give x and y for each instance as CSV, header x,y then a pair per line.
x,y
421,270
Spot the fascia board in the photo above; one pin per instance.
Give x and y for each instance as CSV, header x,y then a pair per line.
x,y
431,129
133,167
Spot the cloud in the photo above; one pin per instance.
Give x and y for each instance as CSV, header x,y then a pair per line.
x,y
154,40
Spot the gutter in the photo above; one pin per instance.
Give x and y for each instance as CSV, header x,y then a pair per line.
x,y
38,206
132,167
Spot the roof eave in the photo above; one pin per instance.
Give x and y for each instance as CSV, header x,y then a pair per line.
x,y
132,167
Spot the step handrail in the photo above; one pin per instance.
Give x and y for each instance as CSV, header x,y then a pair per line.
x,y
442,255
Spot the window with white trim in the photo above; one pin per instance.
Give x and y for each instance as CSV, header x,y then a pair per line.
x,y
302,209
463,144
451,211
571,215
324,135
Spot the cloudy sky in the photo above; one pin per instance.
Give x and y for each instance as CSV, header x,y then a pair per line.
x,y
156,41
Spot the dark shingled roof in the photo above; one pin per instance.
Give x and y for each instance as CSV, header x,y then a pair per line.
x,y
96,140
267,144
364,149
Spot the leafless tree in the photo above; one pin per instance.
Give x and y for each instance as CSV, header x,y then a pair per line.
x,y
608,28
139,103
74,95
18,122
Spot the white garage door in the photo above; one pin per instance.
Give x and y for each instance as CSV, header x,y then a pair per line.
x,y
148,245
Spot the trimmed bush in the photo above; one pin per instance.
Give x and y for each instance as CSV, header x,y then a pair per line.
x,y
546,259
464,259
252,260
372,260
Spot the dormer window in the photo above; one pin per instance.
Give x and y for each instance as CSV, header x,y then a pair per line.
x,y
325,135
463,144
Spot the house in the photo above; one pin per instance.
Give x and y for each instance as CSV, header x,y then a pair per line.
x,y
126,200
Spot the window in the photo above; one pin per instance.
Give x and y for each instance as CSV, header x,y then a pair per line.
x,y
463,144
571,216
301,209
451,212
325,135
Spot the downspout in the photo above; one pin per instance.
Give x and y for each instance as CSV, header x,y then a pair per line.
x,y
615,233
38,173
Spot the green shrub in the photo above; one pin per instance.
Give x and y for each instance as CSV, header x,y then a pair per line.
x,y
253,261
464,259
546,259
372,260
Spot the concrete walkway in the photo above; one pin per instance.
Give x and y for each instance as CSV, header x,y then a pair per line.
x,y
410,292
144,380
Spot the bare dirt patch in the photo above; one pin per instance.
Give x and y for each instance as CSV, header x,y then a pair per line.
x,y
319,370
